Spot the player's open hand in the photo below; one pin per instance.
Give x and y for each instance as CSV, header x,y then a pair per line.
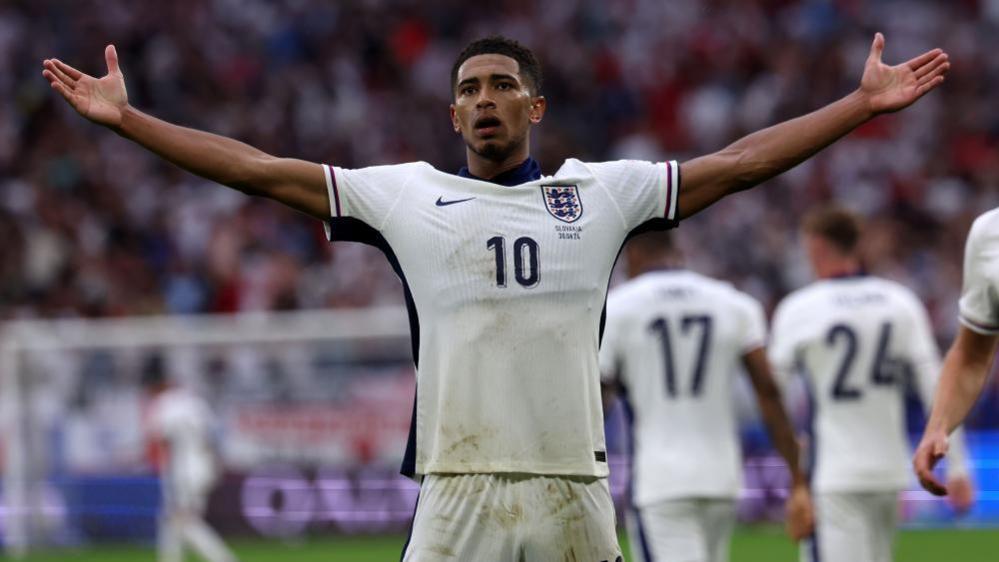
x,y
891,88
800,513
101,100
931,449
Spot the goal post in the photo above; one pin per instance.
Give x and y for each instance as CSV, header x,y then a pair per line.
x,y
307,390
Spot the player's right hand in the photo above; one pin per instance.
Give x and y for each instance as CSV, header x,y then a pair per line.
x,y
102,100
931,449
800,513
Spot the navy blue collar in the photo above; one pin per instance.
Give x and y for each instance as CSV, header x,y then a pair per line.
x,y
528,170
852,275
664,269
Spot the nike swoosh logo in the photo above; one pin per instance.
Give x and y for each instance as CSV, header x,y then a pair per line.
x,y
442,203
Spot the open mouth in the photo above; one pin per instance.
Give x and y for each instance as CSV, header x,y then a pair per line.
x,y
487,125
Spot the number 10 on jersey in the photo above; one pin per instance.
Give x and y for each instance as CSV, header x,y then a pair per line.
x,y
526,267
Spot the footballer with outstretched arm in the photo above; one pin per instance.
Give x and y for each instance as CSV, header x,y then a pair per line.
x,y
505,272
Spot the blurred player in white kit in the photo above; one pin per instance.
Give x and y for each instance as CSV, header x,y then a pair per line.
x,y
674,343
858,341
180,425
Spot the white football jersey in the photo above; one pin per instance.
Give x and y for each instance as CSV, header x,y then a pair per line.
x,y
506,288
858,341
980,293
184,421
674,344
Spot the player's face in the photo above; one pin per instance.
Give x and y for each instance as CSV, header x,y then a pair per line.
x,y
493,106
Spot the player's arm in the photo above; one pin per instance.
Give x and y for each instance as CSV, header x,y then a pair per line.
x,y
925,366
608,393
298,184
764,154
965,370
800,517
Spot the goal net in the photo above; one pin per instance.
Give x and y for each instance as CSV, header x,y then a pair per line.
x,y
312,413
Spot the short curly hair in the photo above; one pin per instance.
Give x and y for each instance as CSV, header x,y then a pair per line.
x,y
530,69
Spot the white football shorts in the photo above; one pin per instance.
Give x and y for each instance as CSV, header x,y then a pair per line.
x,y
853,526
187,491
682,530
513,518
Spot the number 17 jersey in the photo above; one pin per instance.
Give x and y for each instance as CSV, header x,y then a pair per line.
x,y
674,345
506,287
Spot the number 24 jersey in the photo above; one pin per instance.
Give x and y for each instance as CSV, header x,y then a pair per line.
x,y
859,341
506,287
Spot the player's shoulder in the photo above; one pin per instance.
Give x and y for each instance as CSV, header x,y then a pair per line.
x,y
802,298
646,288
987,222
681,284
722,287
631,291
401,167
607,169
985,227
901,294
394,174
722,291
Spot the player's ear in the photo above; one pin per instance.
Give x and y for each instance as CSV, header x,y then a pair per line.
x,y
454,120
538,106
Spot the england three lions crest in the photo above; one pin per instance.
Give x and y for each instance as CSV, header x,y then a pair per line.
x,y
562,202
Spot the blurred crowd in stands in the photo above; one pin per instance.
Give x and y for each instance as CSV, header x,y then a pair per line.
x,y
93,226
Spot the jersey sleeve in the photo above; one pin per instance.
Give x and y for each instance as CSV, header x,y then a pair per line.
x,y
365,194
979,309
645,192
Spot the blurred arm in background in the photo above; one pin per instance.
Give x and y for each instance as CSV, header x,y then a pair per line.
x,y
800,513
300,185
767,153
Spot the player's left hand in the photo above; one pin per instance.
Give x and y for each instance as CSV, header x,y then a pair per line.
x,y
961,493
891,88
931,449
800,513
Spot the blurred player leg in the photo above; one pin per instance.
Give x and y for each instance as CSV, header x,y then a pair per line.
x,y
672,532
718,520
168,542
205,541
636,536
884,521
852,527
191,495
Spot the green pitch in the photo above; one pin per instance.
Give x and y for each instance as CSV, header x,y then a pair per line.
x,y
764,544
